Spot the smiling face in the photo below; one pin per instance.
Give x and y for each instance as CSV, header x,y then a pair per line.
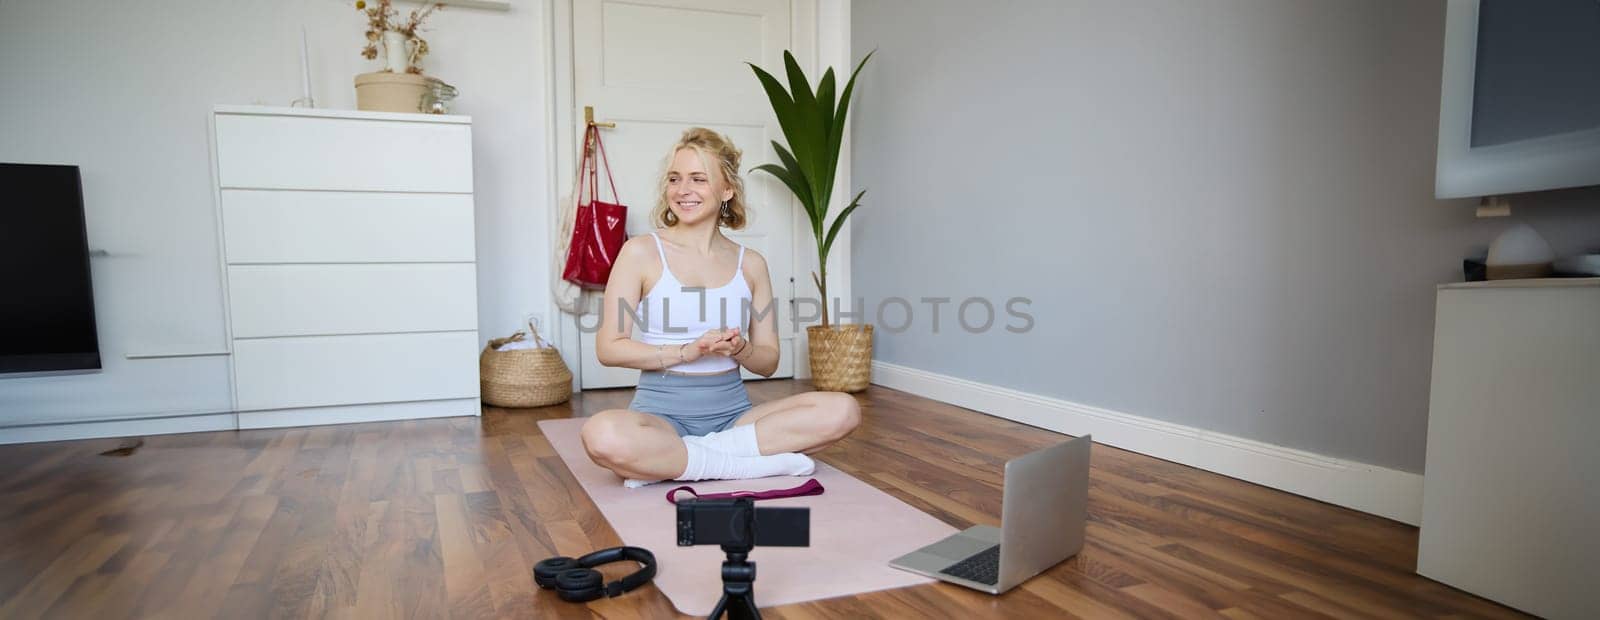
x,y
693,192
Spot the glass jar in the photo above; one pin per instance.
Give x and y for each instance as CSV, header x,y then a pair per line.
x,y
436,99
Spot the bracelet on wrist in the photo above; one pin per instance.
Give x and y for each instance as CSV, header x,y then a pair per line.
x,y
680,352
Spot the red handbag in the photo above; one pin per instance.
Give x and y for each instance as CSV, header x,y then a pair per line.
x,y
599,228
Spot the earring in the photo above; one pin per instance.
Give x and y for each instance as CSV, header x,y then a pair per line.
x,y
725,212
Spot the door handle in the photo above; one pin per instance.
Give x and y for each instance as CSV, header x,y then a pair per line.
x,y
588,119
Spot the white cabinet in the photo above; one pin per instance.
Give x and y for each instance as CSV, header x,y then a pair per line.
x,y
319,371
349,260
1510,509
278,148
317,300
351,227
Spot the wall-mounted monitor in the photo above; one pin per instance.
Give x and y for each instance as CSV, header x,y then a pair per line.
x,y
46,296
1519,108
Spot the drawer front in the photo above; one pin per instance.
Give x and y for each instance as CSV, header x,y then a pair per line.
x,y
282,152
280,373
307,300
277,226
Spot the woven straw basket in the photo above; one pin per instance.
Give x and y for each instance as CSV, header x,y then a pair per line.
x,y
841,357
523,377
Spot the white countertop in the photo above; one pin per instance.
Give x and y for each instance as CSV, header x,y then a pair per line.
x,y
1525,283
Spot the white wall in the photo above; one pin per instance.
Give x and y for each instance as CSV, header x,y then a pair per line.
x,y
1223,211
124,90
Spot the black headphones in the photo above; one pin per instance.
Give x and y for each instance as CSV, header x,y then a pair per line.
x,y
578,582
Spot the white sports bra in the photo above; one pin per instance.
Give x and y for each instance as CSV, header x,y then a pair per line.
x,y
669,314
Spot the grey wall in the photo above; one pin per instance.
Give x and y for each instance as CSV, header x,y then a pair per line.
x,y
1221,210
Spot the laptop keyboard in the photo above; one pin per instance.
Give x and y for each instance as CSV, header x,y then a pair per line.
x,y
982,567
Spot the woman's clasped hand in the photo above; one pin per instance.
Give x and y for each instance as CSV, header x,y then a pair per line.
x,y
719,342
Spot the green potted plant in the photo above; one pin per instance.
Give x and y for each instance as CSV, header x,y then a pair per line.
x,y
813,124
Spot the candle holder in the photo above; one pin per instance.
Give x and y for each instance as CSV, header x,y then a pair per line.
x,y
305,100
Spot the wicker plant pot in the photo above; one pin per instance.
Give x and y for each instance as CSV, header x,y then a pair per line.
x,y
382,91
522,377
841,357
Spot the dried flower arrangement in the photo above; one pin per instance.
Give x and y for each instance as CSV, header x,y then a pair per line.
x,y
382,17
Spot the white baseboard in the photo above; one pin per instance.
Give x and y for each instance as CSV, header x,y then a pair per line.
x,y
1376,490
355,414
118,428
242,420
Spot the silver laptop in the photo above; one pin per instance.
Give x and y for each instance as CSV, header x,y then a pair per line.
x,y
1042,515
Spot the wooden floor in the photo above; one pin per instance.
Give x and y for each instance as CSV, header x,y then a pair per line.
x,y
445,518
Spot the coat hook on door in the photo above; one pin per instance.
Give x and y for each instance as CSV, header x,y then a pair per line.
x,y
588,119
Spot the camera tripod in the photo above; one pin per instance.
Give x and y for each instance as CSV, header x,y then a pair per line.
x,y
738,586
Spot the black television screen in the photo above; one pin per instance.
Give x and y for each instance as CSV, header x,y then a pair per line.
x,y
46,297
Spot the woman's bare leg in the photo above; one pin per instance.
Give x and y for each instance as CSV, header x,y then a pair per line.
x,y
804,423
634,445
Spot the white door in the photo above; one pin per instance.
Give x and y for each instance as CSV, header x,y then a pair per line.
x,y
657,67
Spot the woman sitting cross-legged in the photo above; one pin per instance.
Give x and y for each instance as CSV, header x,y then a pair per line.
x,y
691,418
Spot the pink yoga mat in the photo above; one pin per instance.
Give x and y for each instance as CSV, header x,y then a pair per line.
x,y
855,530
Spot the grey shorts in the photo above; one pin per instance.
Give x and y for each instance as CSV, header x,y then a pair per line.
x,y
693,404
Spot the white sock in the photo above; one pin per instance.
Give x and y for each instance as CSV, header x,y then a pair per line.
x,y
708,464
736,441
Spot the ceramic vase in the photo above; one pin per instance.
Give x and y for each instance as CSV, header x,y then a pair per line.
x,y
395,52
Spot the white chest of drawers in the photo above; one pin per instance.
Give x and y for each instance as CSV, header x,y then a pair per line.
x,y
348,253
